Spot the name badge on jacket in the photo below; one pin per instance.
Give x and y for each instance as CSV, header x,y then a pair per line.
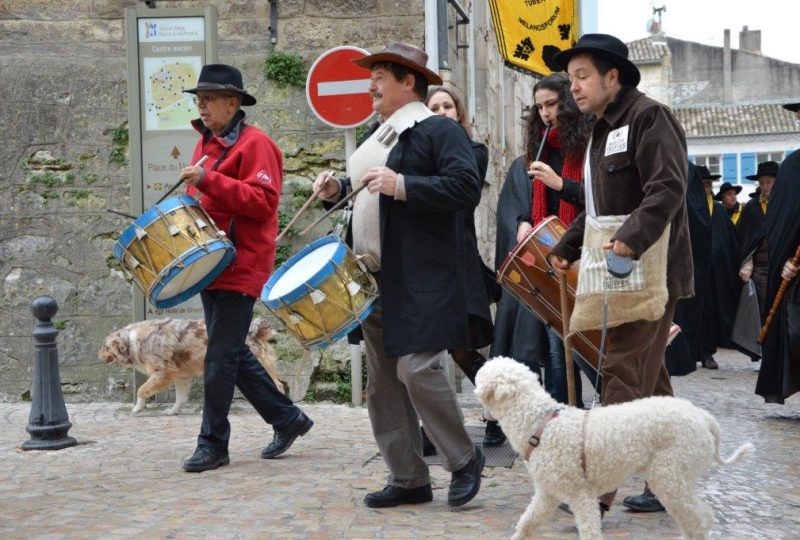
x,y
617,141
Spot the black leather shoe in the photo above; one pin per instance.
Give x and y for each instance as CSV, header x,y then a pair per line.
x,y
466,481
428,449
494,436
284,439
205,459
708,362
395,496
645,502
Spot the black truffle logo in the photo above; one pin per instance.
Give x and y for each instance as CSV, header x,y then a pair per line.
x,y
524,49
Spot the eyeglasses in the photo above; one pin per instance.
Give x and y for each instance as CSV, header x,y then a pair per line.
x,y
204,100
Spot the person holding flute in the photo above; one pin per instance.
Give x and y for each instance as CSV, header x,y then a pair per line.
x,y
239,186
543,182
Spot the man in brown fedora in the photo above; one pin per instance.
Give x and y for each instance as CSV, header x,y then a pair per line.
x,y
240,184
408,227
636,166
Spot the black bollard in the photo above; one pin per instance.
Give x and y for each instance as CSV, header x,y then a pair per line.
x,y
48,423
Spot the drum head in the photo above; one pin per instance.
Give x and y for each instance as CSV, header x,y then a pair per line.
x,y
302,270
191,273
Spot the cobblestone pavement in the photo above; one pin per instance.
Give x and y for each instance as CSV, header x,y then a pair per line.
x,y
124,479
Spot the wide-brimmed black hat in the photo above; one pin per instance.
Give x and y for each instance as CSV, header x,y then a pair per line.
x,y
765,168
222,78
794,107
403,54
607,47
727,186
705,174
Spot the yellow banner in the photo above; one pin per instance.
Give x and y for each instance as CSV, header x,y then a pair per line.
x,y
531,32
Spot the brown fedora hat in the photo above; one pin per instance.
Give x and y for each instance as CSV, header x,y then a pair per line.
x,y
403,54
222,78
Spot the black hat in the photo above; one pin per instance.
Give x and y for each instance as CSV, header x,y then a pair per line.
x,y
607,47
765,168
756,193
403,54
727,186
222,78
705,174
794,107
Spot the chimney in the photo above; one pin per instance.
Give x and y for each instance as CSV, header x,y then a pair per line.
x,y
750,40
727,82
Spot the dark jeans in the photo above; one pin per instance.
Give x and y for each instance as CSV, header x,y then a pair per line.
x,y
555,371
230,362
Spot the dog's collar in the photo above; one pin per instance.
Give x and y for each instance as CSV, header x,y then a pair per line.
x,y
536,438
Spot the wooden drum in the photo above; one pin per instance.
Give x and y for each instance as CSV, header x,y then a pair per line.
x,y
527,276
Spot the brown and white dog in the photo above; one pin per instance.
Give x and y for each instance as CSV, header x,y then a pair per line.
x,y
173,350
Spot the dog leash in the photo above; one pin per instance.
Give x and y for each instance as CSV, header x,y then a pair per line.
x,y
602,349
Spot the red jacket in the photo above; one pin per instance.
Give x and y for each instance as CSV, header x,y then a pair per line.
x,y
241,190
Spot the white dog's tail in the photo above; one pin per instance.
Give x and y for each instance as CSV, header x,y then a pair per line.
x,y
741,452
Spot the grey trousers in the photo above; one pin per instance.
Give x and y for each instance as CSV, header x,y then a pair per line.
x,y
401,389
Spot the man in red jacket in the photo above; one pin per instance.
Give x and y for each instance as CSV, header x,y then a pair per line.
x,y
239,186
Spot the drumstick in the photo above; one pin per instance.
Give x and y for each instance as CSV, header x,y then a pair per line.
x,y
334,208
123,214
541,144
562,281
303,208
173,188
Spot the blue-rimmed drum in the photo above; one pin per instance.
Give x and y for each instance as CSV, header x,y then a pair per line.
x,y
321,293
173,251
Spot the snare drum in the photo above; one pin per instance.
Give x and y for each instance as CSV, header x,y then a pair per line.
x,y
173,251
321,293
528,277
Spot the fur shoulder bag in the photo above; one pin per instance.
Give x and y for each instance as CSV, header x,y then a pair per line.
x,y
640,296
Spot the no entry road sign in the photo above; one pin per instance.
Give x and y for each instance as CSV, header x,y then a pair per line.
x,y
338,90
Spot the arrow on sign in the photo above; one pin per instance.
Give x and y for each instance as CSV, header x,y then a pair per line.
x,y
175,152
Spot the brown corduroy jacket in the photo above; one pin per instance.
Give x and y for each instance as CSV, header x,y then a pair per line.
x,y
639,167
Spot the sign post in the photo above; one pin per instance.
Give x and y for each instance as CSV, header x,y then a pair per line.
x,y
338,94
166,48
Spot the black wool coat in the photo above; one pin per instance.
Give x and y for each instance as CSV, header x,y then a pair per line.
x,y
779,376
422,281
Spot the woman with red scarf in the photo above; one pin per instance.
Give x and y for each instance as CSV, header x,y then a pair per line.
x,y
533,191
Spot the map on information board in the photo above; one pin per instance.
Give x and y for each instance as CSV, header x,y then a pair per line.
x,y
166,105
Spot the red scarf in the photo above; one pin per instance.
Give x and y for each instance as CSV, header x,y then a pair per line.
x,y
572,169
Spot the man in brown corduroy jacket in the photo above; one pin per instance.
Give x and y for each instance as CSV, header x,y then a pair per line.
x,y
637,167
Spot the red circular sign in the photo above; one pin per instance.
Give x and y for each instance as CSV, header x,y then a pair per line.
x,y
338,90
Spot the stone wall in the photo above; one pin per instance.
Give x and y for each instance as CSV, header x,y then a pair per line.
x,y
63,78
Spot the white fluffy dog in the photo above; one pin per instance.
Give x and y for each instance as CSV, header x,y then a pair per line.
x,y
584,454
